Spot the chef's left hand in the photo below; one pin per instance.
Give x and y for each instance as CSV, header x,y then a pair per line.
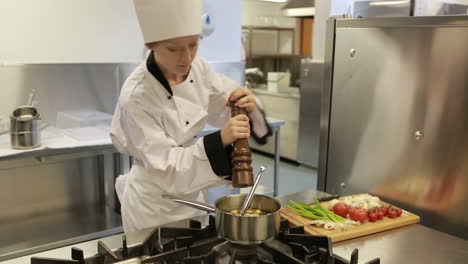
x,y
246,101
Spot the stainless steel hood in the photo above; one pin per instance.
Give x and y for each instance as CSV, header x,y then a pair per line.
x,y
299,8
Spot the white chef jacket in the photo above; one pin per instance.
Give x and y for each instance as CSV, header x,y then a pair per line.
x,y
158,126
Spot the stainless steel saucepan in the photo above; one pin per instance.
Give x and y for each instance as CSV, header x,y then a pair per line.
x,y
242,229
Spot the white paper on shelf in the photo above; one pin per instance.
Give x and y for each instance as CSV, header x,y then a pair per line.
x,y
86,133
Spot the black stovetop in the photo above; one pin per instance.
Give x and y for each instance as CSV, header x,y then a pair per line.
x,y
197,245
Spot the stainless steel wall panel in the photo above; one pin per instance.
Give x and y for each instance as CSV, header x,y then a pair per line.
x,y
398,125
326,103
309,125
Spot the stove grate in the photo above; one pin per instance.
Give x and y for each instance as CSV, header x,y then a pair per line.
x,y
197,245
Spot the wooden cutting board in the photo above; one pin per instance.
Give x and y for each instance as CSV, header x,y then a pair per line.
x,y
366,228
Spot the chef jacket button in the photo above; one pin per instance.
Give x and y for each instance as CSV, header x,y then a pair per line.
x,y
191,81
194,136
187,122
169,97
180,145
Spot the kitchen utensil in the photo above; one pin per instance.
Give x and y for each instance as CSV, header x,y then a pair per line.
x,y
24,128
31,98
242,175
238,229
248,200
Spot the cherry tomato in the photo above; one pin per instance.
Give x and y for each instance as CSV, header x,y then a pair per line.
x,y
384,210
341,209
392,213
358,215
399,211
373,217
380,214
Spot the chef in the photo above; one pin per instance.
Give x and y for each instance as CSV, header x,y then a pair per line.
x,y
163,105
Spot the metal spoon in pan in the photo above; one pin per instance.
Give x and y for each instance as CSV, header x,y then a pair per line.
x,y
248,199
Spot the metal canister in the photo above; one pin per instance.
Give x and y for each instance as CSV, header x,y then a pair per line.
x,y
24,128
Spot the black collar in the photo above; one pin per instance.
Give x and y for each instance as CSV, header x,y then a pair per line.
x,y
153,68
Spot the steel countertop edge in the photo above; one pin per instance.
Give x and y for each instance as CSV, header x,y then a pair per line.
x,y
409,244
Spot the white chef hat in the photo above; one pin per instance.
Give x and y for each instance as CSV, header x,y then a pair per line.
x,y
166,19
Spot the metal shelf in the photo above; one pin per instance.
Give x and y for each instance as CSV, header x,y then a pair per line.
x,y
277,55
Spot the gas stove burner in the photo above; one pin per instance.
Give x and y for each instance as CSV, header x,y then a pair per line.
x,y
228,252
197,245
242,250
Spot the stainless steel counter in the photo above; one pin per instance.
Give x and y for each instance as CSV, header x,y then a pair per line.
x,y
411,244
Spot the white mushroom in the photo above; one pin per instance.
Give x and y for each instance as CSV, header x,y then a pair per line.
x,y
358,199
360,204
348,201
373,205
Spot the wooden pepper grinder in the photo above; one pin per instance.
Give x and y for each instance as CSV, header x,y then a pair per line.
x,y
242,175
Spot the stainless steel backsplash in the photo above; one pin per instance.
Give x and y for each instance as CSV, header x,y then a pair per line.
x,y
398,122
60,87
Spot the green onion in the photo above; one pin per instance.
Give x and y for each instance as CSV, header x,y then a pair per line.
x,y
317,212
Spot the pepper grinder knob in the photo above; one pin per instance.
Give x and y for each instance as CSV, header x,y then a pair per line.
x,y
242,174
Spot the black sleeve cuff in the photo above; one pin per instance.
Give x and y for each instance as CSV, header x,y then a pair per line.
x,y
261,140
218,155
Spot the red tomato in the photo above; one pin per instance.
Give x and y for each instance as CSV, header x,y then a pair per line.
x,y
341,209
380,214
384,210
392,214
358,215
373,217
399,211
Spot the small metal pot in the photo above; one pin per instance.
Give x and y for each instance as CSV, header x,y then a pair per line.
x,y
244,230
24,128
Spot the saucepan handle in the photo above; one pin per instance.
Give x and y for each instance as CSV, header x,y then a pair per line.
x,y
202,206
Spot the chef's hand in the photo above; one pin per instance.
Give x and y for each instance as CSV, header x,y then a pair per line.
x,y
247,99
237,127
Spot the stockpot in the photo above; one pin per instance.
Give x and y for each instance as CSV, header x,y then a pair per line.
x,y
238,229
24,128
